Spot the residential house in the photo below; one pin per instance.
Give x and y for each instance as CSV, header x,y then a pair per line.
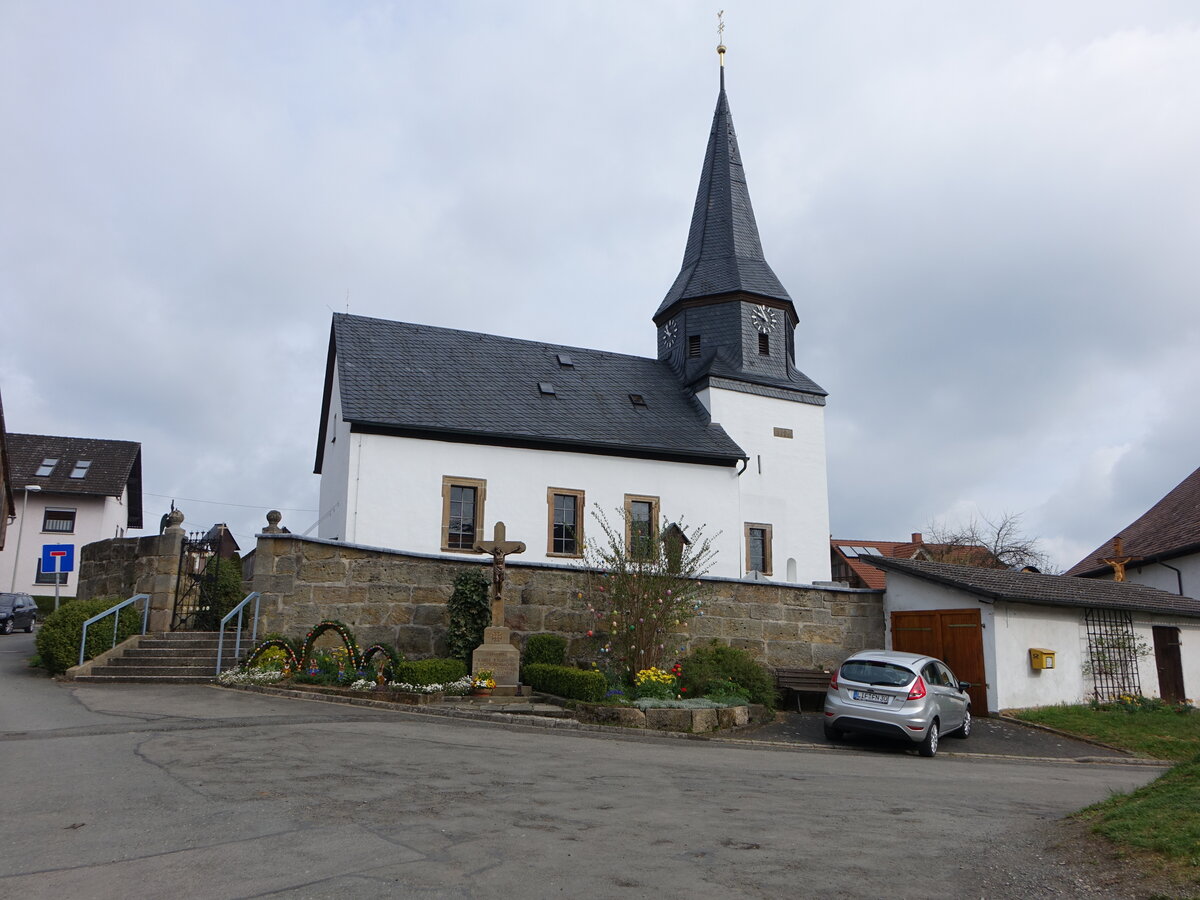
x,y
996,627
428,436
1161,548
850,561
7,510
68,491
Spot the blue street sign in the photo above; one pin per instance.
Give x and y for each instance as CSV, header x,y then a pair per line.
x,y
58,558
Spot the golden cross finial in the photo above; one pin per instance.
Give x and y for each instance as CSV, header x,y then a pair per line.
x,y
721,34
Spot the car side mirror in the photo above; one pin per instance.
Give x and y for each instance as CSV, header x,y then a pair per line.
x,y
963,685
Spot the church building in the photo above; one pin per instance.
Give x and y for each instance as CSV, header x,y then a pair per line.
x,y
428,436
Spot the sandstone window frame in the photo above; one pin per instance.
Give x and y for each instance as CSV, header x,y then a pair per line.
x,y
630,546
551,517
479,486
750,528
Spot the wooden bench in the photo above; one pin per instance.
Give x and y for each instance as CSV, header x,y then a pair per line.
x,y
800,682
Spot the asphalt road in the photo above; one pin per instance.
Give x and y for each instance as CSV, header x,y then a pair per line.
x,y
198,792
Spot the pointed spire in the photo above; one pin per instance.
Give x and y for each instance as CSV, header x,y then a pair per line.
x,y
723,254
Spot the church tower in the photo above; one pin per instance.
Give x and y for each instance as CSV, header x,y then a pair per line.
x,y
727,329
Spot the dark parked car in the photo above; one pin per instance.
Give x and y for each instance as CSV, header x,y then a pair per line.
x,y
17,611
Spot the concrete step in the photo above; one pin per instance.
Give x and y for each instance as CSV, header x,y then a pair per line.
x,y
133,659
146,679
165,672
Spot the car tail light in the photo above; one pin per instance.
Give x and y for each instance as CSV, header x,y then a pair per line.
x,y
918,689
833,681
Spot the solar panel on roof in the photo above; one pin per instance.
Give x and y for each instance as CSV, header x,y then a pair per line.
x,y
848,552
872,551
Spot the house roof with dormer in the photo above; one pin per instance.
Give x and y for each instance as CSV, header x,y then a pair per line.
x,y
93,467
724,253
444,384
1170,528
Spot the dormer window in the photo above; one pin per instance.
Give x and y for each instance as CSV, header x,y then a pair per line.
x,y
764,345
693,345
81,468
637,400
46,467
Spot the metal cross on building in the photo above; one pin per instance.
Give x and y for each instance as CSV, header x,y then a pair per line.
x,y
498,548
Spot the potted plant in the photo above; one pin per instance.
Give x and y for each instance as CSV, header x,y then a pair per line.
x,y
484,683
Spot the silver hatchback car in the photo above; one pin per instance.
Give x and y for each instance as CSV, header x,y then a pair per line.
x,y
891,694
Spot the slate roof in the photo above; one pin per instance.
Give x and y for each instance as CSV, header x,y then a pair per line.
x,y
1046,590
446,384
116,465
1170,528
724,252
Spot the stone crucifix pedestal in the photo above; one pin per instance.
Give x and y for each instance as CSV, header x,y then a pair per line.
x,y
497,654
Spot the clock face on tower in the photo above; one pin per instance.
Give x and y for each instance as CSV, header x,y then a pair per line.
x,y
764,319
670,332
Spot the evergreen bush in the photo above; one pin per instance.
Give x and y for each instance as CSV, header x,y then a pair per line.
x,y
57,640
550,649
429,671
226,591
564,681
711,668
469,614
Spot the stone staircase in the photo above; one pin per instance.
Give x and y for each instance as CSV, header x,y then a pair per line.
x,y
174,657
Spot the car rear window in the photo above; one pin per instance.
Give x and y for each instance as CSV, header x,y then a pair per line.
x,y
870,671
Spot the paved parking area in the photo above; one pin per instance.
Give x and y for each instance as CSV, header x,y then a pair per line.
x,y
993,737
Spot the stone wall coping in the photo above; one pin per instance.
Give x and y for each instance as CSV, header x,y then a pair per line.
x,y
512,562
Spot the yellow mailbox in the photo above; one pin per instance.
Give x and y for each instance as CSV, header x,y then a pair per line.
x,y
1041,658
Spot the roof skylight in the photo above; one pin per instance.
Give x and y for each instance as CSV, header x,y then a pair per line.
x,y
637,399
81,468
46,467
564,360
546,388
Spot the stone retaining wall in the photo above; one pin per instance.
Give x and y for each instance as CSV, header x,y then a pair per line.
x,y
401,598
122,567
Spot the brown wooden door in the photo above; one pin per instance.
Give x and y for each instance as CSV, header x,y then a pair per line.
x,y
1169,663
952,635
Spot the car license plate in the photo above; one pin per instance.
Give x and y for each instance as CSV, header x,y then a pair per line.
x,y
872,697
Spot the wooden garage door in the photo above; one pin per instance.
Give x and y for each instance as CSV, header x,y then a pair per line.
x,y
953,635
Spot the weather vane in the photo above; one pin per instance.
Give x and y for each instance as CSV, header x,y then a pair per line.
x,y
721,42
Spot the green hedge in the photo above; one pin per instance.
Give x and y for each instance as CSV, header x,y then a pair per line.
x,y
548,649
564,681
429,671
709,669
57,640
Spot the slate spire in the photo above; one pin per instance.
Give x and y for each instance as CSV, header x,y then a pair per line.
x,y
724,253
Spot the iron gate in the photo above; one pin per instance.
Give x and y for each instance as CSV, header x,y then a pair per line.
x,y
195,589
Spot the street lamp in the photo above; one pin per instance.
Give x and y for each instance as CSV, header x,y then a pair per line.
x,y
20,531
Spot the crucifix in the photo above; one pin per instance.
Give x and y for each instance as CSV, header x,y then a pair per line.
x,y
499,548
1118,561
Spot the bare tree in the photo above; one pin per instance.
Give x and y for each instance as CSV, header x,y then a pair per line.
x,y
990,543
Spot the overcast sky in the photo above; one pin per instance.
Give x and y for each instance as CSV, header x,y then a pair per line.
x,y
988,216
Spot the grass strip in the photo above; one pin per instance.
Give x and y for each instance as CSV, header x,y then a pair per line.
x,y
1165,733
1162,817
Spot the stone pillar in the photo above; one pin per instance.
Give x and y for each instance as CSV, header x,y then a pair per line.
x,y
160,572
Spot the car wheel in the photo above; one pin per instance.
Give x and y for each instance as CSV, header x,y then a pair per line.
x,y
7,627
833,734
29,627
964,731
930,744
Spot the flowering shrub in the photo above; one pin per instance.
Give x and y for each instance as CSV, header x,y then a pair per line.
x,y
484,680
642,597
250,676
656,683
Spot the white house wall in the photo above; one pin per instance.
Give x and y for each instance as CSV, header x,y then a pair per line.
x,y
1157,575
784,484
402,509
96,518
335,469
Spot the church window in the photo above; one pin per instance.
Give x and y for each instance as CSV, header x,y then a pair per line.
x,y
693,345
566,522
758,548
641,525
462,512
764,345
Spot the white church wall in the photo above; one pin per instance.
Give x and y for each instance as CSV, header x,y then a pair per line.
x,y
403,508
340,444
784,484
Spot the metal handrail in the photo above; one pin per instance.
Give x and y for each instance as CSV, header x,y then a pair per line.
x,y
237,610
117,610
